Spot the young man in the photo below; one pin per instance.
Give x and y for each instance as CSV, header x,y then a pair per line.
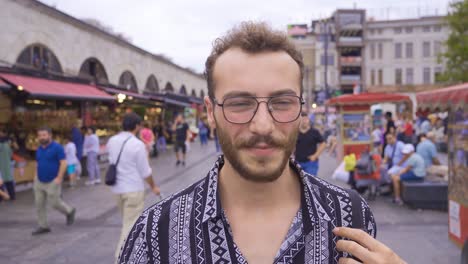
x,y
91,150
51,166
309,146
182,135
393,158
133,170
256,205
413,171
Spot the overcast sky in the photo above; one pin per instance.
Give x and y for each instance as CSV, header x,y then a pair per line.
x,y
183,30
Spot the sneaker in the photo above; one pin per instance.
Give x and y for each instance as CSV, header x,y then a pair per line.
x,y
71,217
397,201
177,163
98,181
40,231
88,183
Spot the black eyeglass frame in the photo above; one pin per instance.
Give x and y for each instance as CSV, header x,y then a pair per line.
x,y
301,103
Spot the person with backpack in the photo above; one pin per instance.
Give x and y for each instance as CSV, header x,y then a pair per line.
x,y
132,171
414,170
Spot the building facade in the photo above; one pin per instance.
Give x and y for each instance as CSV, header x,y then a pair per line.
x,y
402,55
34,35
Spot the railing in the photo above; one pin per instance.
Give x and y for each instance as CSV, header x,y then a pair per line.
x,y
350,60
350,78
350,40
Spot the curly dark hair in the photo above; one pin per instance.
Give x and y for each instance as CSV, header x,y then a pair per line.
x,y
251,37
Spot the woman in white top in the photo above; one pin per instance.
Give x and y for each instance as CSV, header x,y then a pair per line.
x,y
72,160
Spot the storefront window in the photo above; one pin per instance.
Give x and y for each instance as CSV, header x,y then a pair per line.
x,y
39,57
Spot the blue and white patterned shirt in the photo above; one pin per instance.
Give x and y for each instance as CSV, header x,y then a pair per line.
x,y
191,227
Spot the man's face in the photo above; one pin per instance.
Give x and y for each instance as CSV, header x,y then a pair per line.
x,y
259,150
44,137
390,139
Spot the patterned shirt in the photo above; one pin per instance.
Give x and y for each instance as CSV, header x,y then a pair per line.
x,y
191,226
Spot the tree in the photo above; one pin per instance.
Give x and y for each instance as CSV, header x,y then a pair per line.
x,y
456,54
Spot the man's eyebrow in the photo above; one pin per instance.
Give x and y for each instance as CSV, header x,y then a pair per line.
x,y
275,93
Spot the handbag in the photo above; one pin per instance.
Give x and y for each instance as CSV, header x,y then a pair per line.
x,y
111,174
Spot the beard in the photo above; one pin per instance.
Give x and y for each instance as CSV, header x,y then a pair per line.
x,y
256,168
44,141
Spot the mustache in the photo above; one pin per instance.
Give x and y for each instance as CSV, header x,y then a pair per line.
x,y
257,139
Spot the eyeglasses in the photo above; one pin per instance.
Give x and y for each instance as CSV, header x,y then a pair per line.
x,y
241,110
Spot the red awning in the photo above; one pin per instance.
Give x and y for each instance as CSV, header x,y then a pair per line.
x,y
450,97
4,84
368,99
39,87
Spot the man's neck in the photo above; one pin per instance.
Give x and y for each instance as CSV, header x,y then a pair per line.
x,y
238,193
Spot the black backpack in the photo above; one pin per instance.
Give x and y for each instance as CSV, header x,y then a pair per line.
x,y
366,164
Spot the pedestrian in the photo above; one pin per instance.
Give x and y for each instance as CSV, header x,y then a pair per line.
x,y
72,160
414,170
147,136
408,131
182,132
203,130
51,167
377,137
78,139
91,150
390,129
133,170
309,146
256,205
6,154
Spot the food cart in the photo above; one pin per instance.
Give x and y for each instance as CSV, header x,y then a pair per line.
x,y
454,100
356,121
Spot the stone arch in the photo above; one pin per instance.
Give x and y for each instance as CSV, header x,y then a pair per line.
x,y
183,90
193,93
169,88
94,69
39,57
152,84
128,81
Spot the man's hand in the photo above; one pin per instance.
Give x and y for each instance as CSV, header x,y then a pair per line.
x,y
58,180
364,247
156,190
313,157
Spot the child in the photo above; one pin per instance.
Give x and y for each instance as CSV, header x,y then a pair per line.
x,y
72,160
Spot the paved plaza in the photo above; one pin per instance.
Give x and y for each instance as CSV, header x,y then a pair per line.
x,y
420,237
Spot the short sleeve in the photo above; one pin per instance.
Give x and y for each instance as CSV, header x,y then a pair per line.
x,y
60,152
318,137
142,162
433,150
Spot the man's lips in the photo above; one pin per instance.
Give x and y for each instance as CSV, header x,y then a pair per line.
x,y
262,149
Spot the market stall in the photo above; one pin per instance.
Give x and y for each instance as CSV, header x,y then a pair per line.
x,y
34,102
453,99
355,120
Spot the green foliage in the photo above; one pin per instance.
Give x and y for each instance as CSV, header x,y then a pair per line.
x,y
456,55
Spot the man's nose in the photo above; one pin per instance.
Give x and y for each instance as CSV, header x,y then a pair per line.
x,y
262,123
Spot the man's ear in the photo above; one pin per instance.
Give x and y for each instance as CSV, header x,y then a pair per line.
x,y
210,111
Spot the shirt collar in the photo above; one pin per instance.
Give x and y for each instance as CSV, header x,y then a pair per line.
x,y
312,205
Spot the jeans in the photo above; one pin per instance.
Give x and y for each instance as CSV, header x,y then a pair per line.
x,y
94,171
130,207
48,193
204,139
310,167
161,144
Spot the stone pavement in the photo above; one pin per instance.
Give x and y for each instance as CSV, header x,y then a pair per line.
x,y
420,237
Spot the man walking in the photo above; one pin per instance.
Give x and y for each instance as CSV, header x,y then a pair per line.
x,y
256,205
91,149
309,146
182,135
133,170
51,166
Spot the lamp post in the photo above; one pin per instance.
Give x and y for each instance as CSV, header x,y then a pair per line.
x,y
325,28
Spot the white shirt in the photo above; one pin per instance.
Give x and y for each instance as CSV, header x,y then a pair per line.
x,y
91,144
133,166
70,153
377,135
